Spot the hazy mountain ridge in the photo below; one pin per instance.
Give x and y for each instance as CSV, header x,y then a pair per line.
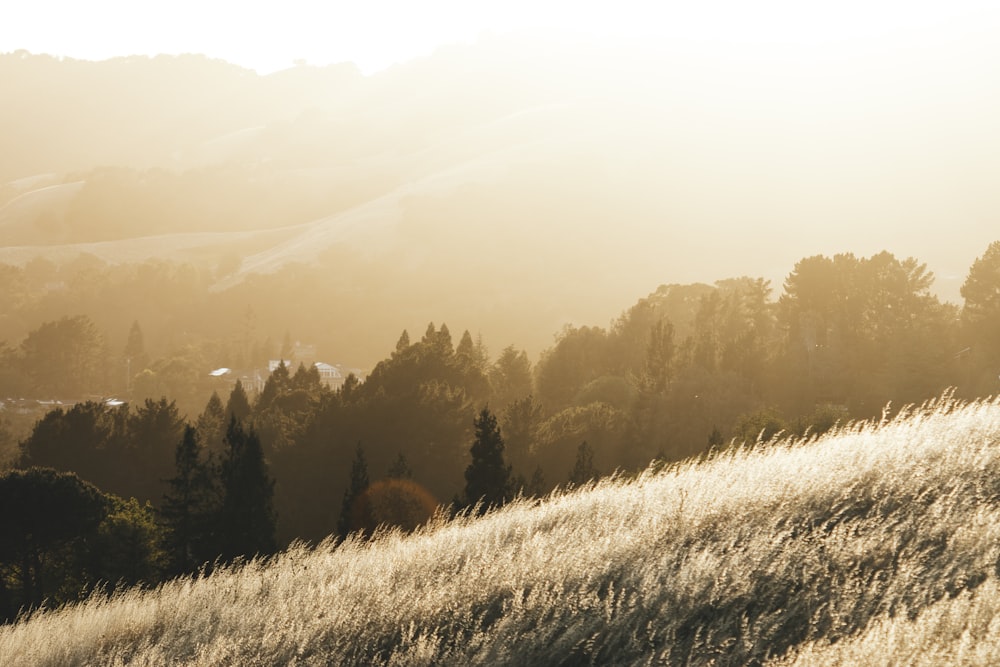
x,y
751,555
571,142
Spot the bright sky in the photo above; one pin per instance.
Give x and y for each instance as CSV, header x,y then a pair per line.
x,y
376,33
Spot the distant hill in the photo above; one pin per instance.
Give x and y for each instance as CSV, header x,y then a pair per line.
x,y
509,170
876,544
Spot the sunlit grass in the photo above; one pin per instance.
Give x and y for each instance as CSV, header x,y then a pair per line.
x,y
873,537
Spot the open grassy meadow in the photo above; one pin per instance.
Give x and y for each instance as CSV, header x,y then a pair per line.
x,y
878,543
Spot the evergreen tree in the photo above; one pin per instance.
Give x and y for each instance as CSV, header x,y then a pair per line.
x,y
247,518
278,383
153,433
357,486
488,479
211,424
238,405
466,351
583,469
404,341
536,487
188,507
510,377
443,342
400,468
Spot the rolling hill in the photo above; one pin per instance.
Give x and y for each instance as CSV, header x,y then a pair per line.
x,y
876,543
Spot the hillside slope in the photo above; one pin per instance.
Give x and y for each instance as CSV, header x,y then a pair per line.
x,y
747,557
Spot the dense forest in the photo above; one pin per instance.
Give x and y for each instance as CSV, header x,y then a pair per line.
x,y
160,480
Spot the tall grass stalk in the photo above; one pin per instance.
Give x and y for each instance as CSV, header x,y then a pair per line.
x,y
792,550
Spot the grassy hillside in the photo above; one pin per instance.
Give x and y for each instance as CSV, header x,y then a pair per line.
x,y
876,544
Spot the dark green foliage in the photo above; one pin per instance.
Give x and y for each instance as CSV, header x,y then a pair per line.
x,y
536,485
238,404
400,468
47,519
211,424
510,378
403,342
247,520
759,426
519,425
190,507
64,358
488,479
358,484
128,548
583,469
154,430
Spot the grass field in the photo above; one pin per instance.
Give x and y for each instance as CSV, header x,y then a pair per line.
x,y
875,544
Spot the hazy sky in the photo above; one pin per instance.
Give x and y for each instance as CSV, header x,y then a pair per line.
x,y
376,33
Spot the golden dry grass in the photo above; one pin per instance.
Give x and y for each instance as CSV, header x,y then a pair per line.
x,y
878,537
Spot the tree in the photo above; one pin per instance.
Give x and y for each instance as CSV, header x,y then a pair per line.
x,y
400,468
153,433
211,424
403,342
510,377
393,503
583,469
536,486
238,404
488,480
471,356
247,521
277,384
981,319
64,358
519,425
48,518
348,522
128,547
189,506
759,426
88,439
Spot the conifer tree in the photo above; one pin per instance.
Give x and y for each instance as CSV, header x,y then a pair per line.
x,y
583,469
403,342
247,517
356,487
400,468
536,487
189,505
488,478
238,404
211,424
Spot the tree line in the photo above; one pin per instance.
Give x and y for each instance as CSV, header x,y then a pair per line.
x,y
439,426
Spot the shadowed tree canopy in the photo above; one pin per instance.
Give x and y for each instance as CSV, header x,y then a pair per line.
x,y
247,520
981,317
488,478
47,519
351,517
64,358
238,404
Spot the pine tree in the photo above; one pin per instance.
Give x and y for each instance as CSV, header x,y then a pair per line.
x,y
400,468
583,470
488,479
403,342
188,507
536,487
357,486
211,424
247,517
238,405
